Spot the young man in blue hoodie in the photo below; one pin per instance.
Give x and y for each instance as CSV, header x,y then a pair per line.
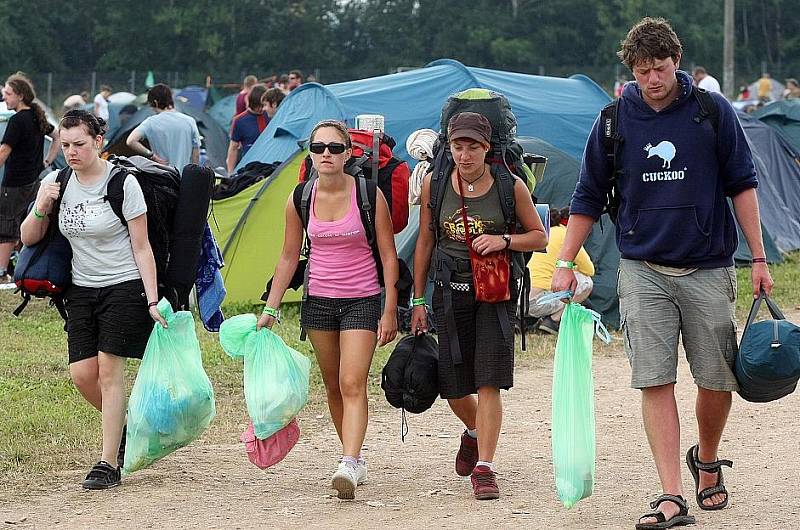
x,y
677,238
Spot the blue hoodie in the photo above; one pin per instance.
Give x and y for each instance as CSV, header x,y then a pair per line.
x,y
676,177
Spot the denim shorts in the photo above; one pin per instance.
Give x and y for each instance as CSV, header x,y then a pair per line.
x,y
341,314
657,309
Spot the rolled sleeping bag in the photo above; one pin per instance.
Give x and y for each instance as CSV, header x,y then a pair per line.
x,y
187,232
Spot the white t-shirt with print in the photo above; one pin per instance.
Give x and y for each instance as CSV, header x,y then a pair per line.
x,y
101,246
102,106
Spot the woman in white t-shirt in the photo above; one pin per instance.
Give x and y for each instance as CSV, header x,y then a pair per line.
x,y
111,304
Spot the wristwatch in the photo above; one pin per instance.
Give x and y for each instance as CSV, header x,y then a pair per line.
x,y
507,239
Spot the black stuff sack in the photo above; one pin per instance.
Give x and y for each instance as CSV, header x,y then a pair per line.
x,y
410,378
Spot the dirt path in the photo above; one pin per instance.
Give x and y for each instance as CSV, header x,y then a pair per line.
x,y
413,485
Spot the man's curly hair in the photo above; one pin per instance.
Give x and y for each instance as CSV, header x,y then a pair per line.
x,y
649,40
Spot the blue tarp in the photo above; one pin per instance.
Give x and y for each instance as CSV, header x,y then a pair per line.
x,y
558,110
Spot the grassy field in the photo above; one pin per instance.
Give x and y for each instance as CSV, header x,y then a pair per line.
x,y
46,425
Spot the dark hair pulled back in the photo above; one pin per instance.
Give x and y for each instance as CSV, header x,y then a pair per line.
x,y
95,126
23,87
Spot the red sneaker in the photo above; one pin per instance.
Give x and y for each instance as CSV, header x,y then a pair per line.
x,y
484,484
467,455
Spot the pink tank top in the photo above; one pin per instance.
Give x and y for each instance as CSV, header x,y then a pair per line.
x,y
341,264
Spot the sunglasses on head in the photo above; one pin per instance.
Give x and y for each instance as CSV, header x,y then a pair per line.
x,y
334,148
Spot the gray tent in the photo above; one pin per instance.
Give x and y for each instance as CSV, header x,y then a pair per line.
x,y
784,116
779,182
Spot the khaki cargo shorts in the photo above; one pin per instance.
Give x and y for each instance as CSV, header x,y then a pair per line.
x,y
656,309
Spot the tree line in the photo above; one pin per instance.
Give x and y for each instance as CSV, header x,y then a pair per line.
x,y
346,39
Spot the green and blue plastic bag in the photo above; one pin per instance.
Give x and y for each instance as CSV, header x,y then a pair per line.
x,y
573,427
172,401
275,375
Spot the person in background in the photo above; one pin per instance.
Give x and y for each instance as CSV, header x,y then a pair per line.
x,y
542,267
744,93
705,80
792,89
295,80
173,136
765,88
283,83
241,98
75,101
21,151
619,85
271,99
111,304
247,126
101,102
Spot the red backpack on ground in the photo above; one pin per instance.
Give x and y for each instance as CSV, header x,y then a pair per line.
x,y
392,173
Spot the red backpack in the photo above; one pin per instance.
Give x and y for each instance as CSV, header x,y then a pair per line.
x,y
392,172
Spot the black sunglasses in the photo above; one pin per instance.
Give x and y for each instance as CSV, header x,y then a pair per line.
x,y
334,148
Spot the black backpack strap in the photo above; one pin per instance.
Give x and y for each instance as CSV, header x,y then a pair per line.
x,y
505,180
58,302
611,143
304,210
26,297
115,192
61,179
440,176
367,199
709,110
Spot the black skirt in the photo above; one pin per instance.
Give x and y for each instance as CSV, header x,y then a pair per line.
x,y
488,356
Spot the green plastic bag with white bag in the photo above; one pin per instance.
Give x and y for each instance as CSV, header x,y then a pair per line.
x,y
573,427
275,375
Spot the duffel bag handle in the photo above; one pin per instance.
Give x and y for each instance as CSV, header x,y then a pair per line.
x,y
774,310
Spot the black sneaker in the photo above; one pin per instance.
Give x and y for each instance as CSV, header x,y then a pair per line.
x,y
121,452
548,325
102,476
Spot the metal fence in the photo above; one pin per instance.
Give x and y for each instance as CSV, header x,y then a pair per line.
x,y
53,88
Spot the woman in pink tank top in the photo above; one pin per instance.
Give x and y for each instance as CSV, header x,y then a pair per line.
x,y
342,310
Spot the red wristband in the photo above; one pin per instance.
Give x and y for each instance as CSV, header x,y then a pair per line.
x,y
151,304
759,260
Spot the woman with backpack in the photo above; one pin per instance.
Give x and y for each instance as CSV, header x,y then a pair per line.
x,y
22,153
342,310
111,304
476,338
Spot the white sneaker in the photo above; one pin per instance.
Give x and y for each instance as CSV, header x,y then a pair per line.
x,y
345,480
361,472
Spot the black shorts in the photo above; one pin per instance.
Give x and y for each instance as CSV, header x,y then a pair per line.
x,y
14,202
113,319
488,356
340,314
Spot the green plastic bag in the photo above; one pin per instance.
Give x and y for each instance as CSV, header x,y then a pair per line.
x,y
275,375
172,401
573,404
